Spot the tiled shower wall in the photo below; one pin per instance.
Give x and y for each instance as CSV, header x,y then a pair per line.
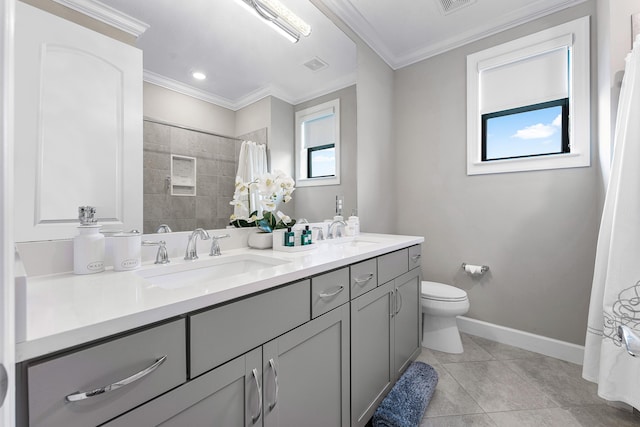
x,y
216,166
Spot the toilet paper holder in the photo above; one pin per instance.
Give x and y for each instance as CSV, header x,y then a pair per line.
x,y
483,268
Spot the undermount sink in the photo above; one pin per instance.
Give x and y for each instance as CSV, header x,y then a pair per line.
x,y
354,242
205,271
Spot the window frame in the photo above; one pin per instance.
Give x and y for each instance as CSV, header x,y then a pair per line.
x,y
302,154
565,143
575,35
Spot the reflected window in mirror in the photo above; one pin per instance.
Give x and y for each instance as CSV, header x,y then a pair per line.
x,y
318,145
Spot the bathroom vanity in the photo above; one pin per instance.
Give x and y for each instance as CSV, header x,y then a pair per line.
x,y
309,338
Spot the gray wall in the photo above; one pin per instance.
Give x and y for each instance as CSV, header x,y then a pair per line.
x,y
536,230
318,203
378,197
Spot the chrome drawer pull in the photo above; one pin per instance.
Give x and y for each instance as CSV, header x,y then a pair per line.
x,y
275,381
332,294
361,282
255,418
416,257
82,395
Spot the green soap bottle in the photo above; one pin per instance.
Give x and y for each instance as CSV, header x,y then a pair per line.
x,y
289,237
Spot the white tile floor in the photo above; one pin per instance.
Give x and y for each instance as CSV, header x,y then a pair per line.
x,y
493,384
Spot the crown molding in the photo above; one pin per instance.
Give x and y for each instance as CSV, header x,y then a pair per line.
x,y
250,98
514,19
176,86
107,14
367,32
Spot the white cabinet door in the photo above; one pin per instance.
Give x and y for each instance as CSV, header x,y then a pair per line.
x,y
78,117
7,339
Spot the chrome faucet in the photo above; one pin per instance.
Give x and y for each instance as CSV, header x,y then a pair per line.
x,y
320,236
215,245
163,228
192,245
162,257
333,234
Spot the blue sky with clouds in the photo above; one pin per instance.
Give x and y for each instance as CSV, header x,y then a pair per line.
x,y
524,134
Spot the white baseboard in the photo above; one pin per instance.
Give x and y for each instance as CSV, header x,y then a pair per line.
x,y
548,346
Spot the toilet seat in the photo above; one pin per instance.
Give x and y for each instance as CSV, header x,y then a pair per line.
x,y
440,292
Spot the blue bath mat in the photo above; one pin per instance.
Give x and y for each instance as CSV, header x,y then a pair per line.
x,y
405,404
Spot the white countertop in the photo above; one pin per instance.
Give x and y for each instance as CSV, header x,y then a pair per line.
x,y
59,311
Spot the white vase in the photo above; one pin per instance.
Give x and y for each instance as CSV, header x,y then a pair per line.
x,y
261,240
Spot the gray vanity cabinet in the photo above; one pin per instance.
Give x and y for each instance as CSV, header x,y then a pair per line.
x,y
385,333
306,374
407,331
372,338
300,378
226,396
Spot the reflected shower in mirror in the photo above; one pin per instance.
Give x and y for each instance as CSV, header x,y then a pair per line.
x,y
188,195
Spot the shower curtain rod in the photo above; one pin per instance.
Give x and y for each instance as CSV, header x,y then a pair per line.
x,y
160,122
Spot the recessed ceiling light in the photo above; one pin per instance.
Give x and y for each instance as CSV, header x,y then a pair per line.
x,y
199,76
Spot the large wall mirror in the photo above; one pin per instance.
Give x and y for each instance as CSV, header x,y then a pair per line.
x,y
190,131
255,82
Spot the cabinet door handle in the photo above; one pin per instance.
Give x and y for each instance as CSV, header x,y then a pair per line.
x,y
361,281
392,303
398,299
331,294
272,364
256,417
82,395
416,257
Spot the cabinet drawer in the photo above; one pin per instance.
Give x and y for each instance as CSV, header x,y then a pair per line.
x,y
329,291
220,334
364,277
49,383
415,256
392,265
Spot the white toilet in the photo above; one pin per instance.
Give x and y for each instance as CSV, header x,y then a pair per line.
x,y
440,305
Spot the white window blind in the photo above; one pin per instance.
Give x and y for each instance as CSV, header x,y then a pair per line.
x,y
537,74
319,130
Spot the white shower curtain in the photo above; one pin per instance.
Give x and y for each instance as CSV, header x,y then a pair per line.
x,y
615,296
251,164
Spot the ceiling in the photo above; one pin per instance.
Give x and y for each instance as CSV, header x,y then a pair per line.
x,y
243,58
246,60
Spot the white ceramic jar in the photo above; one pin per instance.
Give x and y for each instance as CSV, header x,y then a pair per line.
x,y
88,250
127,249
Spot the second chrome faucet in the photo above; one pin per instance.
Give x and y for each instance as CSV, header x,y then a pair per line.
x,y
192,245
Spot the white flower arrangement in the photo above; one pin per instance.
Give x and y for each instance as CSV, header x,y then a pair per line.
x,y
266,191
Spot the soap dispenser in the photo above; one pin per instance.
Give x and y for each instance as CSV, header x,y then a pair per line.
x,y
88,245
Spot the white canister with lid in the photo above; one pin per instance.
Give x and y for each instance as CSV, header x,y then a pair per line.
x,y
88,250
127,248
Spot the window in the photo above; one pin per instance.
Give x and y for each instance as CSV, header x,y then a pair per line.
x,y
318,145
534,130
529,102
321,161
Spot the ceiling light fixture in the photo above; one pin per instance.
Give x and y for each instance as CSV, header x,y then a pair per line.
x,y
279,17
198,75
